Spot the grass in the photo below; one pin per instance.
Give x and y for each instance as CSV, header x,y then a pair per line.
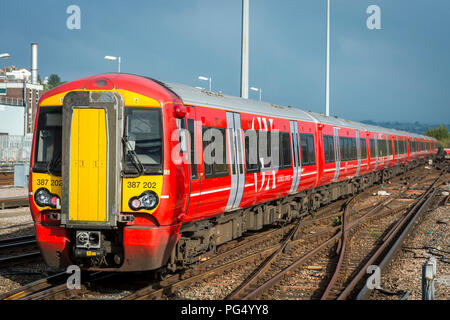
x,y
336,221
374,234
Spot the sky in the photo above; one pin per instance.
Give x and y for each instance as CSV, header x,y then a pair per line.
x,y
397,73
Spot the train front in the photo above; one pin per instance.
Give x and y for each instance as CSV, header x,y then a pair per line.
x,y
100,174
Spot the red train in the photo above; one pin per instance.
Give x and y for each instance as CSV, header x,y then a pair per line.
x,y
130,173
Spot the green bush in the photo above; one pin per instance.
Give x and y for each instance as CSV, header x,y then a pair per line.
x,y
440,133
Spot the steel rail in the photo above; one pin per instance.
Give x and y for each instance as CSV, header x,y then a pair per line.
x,y
16,239
155,292
12,245
258,291
275,279
344,233
236,293
63,291
13,202
34,287
365,291
350,287
202,267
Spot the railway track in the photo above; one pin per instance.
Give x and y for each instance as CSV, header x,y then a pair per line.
x,y
55,287
18,249
13,202
343,274
264,256
6,178
253,289
420,207
310,239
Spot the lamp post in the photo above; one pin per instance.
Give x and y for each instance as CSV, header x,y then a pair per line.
x,y
244,48
257,89
112,58
327,90
4,55
206,79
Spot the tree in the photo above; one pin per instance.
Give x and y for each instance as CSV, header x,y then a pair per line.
x,y
53,81
440,133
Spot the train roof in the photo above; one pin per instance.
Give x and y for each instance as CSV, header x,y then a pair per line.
x,y
196,96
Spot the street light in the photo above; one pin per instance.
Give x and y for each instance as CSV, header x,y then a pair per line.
x,y
327,87
111,58
245,48
206,79
4,56
257,89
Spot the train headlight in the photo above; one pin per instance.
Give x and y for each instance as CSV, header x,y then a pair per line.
x,y
88,239
82,238
44,198
147,200
135,204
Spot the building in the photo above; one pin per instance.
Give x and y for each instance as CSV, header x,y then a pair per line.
x,y
18,101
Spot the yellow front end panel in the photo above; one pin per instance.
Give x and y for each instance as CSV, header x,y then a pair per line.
x,y
47,181
88,165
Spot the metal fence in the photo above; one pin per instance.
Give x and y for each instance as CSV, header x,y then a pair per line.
x,y
10,101
14,149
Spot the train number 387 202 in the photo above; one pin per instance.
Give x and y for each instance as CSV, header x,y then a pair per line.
x,y
45,182
145,185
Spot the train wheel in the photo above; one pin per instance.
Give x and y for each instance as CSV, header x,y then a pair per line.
x,y
212,245
161,273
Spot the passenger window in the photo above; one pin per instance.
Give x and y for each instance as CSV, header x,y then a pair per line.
x,y
363,148
251,151
214,152
285,150
343,148
265,148
348,148
307,146
328,148
354,151
372,148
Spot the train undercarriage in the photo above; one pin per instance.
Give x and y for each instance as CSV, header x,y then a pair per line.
x,y
200,239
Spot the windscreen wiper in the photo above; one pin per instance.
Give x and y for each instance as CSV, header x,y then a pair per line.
x,y
51,166
133,156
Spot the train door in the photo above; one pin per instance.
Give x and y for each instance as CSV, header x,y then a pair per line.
x,y
358,152
387,150
397,153
92,127
337,153
236,160
376,150
296,155
193,144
